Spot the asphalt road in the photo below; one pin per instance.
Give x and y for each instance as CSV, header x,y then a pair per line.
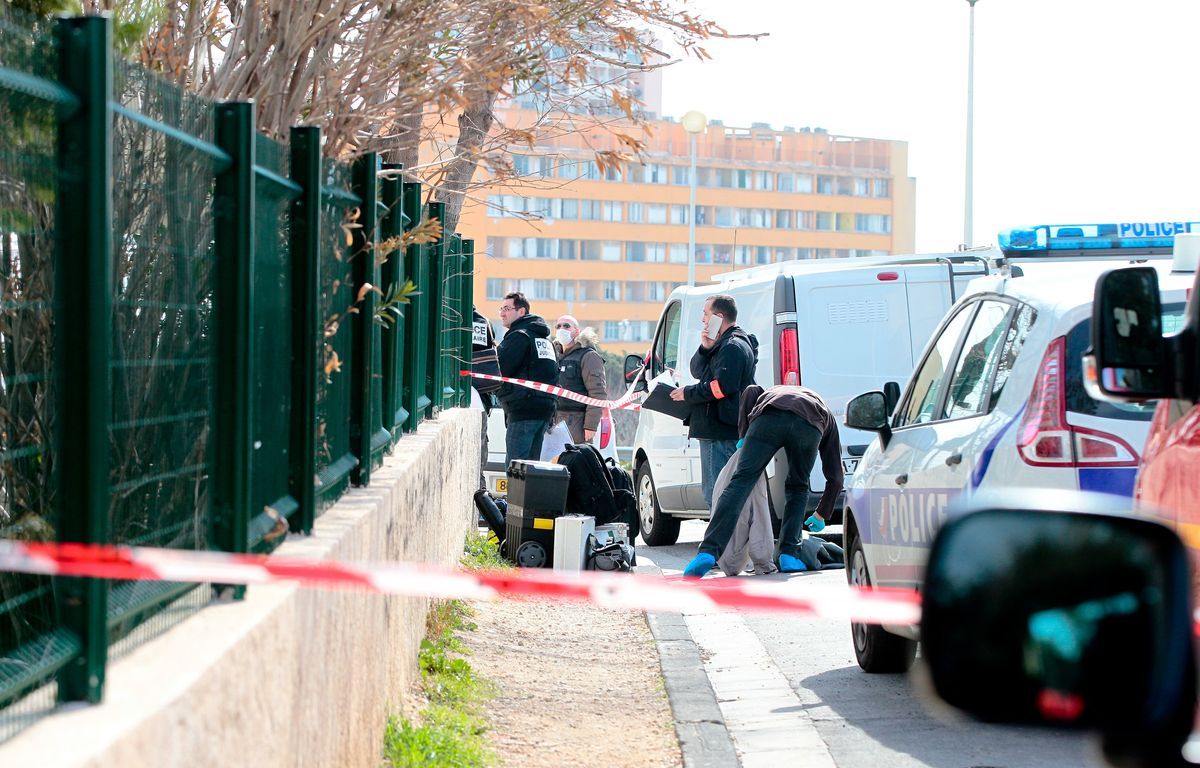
x,y
866,721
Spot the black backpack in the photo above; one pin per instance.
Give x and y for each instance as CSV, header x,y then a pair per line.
x,y
599,489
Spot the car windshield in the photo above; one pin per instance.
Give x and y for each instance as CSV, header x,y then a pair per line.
x,y
1078,400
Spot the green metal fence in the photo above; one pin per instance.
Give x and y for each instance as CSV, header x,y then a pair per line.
x,y
190,350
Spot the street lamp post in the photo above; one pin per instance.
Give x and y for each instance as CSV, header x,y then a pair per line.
x,y
968,212
694,123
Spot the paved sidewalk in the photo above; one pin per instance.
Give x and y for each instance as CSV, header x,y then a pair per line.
x,y
732,703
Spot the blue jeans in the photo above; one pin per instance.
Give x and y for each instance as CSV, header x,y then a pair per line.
x,y
523,439
714,455
773,430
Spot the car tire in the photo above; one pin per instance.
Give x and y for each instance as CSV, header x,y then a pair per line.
x,y
658,529
877,650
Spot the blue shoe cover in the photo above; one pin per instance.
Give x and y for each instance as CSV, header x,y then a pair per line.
x,y
789,564
700,565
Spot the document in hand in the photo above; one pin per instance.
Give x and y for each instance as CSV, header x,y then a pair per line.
x,y
660,400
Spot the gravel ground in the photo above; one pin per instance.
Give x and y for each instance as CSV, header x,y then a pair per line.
x,y
575,685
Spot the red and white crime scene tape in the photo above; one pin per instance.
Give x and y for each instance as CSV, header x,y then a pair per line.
x,y
640,592
625,403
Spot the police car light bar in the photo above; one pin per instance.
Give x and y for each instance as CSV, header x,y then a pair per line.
x,y
1047,238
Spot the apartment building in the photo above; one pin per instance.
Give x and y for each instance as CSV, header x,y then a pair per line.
x,y
609,245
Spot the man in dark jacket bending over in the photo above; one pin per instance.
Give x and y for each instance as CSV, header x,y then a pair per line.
x,y
723,366
796,420
525,352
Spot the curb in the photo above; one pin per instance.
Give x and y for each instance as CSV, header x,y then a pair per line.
x,y
703,738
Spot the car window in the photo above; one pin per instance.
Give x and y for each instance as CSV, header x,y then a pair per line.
x,y
1014,341
967,395
926,388
666,346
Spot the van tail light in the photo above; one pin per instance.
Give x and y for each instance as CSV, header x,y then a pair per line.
x,y
1045,439
605,429
789,357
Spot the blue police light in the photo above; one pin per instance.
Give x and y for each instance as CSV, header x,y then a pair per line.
x,y
1047,238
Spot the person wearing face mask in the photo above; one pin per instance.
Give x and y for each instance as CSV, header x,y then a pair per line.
x,y
723,366
580,369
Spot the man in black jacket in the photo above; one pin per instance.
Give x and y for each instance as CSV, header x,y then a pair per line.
x,y
723,366
526,352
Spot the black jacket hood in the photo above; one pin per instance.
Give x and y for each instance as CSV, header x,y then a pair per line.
x,y
534,325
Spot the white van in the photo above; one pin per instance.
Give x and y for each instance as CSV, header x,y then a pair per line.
x,y
837,326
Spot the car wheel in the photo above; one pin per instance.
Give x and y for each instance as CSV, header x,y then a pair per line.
x,y
658,529
877,650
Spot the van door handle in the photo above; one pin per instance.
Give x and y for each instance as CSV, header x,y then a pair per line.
x,y
954,461
901,479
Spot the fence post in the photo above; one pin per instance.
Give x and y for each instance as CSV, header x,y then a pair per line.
x,y
468,304
233,310
305,234
392,278
83,295
436,292
364,329
416,331
455,324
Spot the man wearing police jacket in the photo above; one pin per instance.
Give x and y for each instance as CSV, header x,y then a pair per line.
x,y
580,369
723,366
525,352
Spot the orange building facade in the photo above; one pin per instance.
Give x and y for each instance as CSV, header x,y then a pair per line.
x,y
608,247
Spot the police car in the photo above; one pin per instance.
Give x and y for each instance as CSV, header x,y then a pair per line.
x,y
996,401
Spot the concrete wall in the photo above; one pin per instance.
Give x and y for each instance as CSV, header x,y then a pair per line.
x,y
289,676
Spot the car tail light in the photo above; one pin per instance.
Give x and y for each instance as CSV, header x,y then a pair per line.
x,y
789,357
1045,439
605,429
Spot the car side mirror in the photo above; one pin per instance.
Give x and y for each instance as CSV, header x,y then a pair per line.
x,y
1047,609
1129,359
869,412
633,367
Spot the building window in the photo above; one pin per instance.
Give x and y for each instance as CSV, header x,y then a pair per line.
x,y
636,214
845,222
495,288
786,182
862,187
762,254
881,188
635,251
785,254
703,215
589,210
722,254
724,177
824,185
611,251
612,330
783,219
804,183
522,164
762,181
678,253
723,216
804,253
679,214
611,211
656,174
825,221
845,185
656,213
656,252
679,174
568,249
612,290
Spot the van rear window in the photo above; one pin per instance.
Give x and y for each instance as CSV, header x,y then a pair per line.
x,y
1079,401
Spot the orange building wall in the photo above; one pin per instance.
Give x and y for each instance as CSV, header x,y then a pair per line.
x,y
756,149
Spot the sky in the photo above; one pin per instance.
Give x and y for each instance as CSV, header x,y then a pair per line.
x,y
1085,112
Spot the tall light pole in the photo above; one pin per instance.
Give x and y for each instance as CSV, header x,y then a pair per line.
x,y
968,212
693,122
